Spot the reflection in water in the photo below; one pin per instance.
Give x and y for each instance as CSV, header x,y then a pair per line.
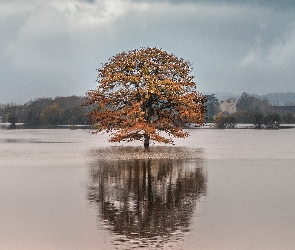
x,y
147,200
10,140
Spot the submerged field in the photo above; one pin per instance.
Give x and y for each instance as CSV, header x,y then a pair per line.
x,y
217,189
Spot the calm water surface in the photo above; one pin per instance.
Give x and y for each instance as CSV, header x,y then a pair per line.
x,y
217,189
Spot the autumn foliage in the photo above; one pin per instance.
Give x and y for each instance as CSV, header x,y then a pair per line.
x,y
143,93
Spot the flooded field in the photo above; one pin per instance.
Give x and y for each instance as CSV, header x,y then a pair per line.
x,y
217,189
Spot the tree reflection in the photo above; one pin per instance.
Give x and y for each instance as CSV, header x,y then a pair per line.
x,y
150,196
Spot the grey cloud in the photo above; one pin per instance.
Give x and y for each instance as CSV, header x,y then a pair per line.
x,y
283,4
54,50
216,45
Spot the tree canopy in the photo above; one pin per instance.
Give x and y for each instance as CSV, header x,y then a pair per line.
x,y
248,102
144,92
46,111
212,106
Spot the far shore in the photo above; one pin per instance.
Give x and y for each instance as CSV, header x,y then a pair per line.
x,y
191,126
24,126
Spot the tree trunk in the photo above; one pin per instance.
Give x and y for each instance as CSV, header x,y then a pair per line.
x,y
12,125
146,141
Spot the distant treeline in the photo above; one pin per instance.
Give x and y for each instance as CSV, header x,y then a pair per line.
x,y
47,111
250,109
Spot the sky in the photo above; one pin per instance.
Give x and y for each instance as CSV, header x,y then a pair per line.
x,y
53,48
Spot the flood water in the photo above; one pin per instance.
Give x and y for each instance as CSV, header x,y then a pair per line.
x,y
217,189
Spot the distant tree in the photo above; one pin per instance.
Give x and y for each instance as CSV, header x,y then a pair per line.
x,y
244,116
10,114
272,121
258,120
265,106
143,93
74,116
288,118
231,121
31,118
69,102
51,115
70,109
33,110
1,111
248,102
212,106
220,121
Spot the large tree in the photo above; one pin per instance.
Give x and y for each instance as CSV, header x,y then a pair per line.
x,y
144,92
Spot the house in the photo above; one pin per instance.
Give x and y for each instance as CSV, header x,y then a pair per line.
x,y
229,106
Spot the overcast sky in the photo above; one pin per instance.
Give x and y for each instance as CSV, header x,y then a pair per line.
x,y
53,47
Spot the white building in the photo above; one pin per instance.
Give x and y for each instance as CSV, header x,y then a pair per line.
x,y
228,106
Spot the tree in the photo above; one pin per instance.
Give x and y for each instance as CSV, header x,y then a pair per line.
x,y
74,116
212,106
32,118
231,121
244,116
51,115
144,92
258,120
288,118
248,102
272,121
69,109
10,113
34,109
222,121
